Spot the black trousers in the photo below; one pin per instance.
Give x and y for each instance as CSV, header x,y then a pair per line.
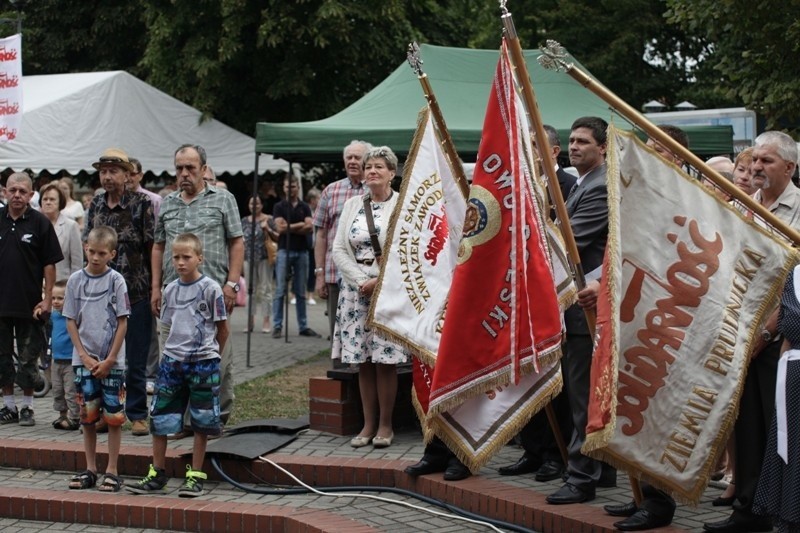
x,y
756,407
537,436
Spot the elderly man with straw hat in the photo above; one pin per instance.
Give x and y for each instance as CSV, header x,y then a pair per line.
x,y
131,215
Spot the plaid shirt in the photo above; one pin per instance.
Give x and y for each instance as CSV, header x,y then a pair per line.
x,y
134,223
213,217
330,206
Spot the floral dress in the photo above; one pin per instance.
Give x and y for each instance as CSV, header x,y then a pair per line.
x,y
778,493
353,342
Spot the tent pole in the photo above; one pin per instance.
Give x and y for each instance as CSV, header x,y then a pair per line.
x,y
289,272
251,266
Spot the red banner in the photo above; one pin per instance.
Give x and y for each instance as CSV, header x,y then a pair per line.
x,y
502,317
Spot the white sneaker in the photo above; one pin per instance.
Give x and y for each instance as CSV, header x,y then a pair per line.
x,y
151,387
311,301
294,301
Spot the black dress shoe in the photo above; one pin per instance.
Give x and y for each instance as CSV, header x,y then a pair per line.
x,y
723,502
624,509
549,471
641,520
456,471
426,466
569,493
734,524
525,465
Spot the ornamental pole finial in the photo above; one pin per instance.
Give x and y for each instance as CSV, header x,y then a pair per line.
x,y
414,58
554,56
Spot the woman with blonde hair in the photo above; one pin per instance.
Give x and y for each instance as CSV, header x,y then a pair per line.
x,y
358,261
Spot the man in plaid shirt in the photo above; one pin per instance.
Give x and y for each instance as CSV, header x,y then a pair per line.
x,y
326,219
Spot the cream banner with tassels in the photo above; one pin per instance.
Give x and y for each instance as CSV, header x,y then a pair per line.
x,y
687,284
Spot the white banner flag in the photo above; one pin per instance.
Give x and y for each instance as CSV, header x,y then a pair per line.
x,y
687,284
10,87
421,249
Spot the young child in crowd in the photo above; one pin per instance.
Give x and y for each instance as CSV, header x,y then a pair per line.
x,y
97,310
194,310
62,376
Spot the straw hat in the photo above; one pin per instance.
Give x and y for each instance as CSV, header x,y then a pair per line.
x,y
114,156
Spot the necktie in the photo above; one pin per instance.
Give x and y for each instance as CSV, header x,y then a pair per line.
x,y
572,190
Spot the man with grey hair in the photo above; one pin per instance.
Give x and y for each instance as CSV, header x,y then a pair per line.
x,y
29,250
774,163
326,218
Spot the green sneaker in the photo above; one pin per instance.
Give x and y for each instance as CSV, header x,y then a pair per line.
x,y
193,486
154,482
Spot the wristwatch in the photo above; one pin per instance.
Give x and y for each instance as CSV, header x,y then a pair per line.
x,y
233,285
766,336
319,270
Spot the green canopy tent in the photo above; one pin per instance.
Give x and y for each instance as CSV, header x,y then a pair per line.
x,y
461,80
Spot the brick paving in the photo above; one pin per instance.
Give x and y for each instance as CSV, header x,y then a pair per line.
x,y
323,513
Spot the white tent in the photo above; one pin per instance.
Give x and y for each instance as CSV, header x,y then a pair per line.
x,y
69,119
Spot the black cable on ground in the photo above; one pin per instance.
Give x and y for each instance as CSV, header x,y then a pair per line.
x,y
392,490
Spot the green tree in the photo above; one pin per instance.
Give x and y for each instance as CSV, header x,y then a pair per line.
x,y
754,50
247,60
81,35
628,45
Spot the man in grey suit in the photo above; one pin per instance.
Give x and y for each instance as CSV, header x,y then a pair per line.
x,y
587,207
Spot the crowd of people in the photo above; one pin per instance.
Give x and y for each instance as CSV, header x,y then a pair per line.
x,y
137,287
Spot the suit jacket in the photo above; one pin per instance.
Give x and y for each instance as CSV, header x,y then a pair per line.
x,y
565,182
588,214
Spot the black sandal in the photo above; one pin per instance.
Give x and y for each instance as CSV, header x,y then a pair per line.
x,y
67,424
85,480
57,422
111,483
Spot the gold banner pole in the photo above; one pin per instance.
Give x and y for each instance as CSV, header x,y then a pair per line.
x,y
554,57
549,167
447,142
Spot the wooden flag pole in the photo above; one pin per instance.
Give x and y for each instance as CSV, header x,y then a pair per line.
x,y
554,57
546,154
558,200
444,134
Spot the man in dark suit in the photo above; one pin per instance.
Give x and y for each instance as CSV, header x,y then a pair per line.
x,y
587,207
542,456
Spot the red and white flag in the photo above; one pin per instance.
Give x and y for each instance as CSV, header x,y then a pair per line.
x,y
498,357
10,87
683,296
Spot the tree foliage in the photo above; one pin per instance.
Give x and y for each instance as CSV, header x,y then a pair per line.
x,y
273,60
628,45
754,52
243,61
77,35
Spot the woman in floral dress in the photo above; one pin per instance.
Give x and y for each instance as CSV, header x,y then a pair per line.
x,y
353,342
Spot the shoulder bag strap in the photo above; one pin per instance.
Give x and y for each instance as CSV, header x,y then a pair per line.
x,y
373,233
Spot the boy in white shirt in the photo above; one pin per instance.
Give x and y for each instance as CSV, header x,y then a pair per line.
x,y
194,309
97,308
